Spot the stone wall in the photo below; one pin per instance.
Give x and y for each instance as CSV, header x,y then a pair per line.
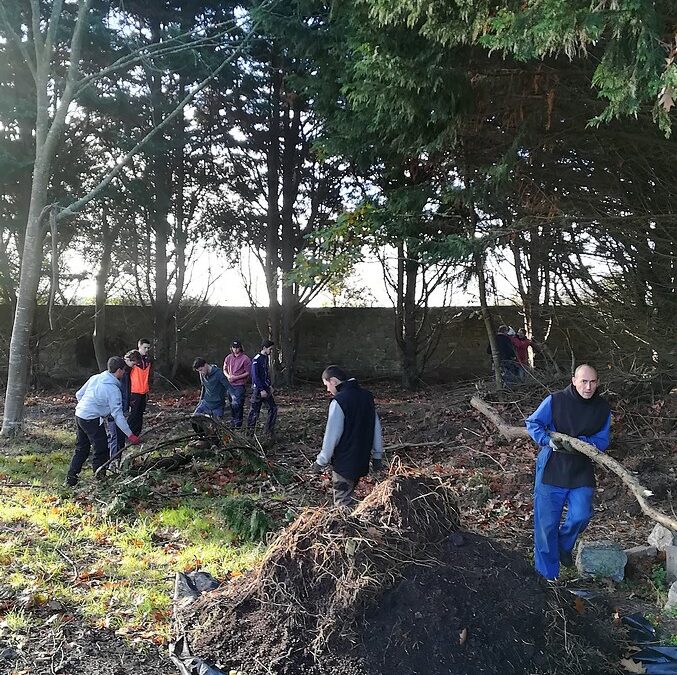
x,y
360,339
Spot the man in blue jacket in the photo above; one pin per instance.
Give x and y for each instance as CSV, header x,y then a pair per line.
x,y
262,391
564,476
214,389
352,437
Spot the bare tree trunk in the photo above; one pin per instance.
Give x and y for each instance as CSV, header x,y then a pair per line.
x,y
108,238
273,212
410,369
47,138
488,322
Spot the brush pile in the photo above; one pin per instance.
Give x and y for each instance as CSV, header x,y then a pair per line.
x,y
392,586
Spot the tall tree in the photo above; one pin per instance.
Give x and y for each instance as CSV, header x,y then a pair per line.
x,y
58,78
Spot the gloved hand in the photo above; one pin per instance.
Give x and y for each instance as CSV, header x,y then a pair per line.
x,y
134,440
377,464
566,445
317,469
554,444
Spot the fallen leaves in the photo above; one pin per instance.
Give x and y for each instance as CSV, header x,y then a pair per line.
x,y
631,666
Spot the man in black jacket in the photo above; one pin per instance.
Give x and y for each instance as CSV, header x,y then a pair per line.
x,y
506,355
352,437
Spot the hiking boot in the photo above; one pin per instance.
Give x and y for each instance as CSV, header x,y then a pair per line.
x,y
566,558
71,481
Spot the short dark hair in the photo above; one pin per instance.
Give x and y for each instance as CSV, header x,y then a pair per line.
x,y
198,363
334,371
503,328
133,355
143,341
115,363
267,343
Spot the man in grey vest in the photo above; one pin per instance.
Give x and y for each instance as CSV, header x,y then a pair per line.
x,y
352,437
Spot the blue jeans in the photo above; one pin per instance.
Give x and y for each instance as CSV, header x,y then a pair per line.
x,y
237,394
204,409
551,535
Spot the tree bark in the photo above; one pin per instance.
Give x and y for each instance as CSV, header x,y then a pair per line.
x,y
601,458
108,238
47,138
488,323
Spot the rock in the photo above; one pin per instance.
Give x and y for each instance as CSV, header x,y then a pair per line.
x,y
671,564
640,561
661,537
639,552
601,559
671,604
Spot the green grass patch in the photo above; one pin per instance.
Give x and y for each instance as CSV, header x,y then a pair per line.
x,y
109,552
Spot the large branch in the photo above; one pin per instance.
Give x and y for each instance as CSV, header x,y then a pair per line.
x,y
638,490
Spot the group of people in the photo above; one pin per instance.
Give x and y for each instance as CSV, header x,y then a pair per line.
x,y
110,408
513,353
228,385
353,437
109,411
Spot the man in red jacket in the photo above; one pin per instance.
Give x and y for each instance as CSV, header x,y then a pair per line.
x,y
521,344
236,368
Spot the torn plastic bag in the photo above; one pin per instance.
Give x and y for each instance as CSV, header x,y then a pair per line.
x,y
660,668
656,654
584,593
188,664
191,585
641,631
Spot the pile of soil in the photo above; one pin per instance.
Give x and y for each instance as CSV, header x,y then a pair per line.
x,y
394,586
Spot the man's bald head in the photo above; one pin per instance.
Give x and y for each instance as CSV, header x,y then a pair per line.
x,y
585,380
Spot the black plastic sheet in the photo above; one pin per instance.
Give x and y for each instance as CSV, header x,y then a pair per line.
x,y
193,584
640,630
179,653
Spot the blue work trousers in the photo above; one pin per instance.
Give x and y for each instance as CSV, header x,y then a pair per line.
x,y
551,534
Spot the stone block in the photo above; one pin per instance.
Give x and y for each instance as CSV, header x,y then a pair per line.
x,y
640,561
601,559
671,564
671,604
640,552
661,537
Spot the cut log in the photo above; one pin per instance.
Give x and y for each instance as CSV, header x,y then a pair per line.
x,y
638,490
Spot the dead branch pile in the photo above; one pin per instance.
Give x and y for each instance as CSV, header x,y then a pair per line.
x,y
327,565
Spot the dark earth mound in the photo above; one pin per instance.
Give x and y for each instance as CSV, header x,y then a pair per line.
x,y
463,605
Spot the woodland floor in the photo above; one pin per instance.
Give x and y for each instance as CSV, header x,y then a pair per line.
x,y
87,575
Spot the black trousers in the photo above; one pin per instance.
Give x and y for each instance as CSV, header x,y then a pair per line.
x,y
255,408
137,406
88,434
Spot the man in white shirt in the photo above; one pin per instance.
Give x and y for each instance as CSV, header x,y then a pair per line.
x,y
99,397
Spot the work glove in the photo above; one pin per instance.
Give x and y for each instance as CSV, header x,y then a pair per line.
x,y
566,445
317,469
554,444
377,464
134,440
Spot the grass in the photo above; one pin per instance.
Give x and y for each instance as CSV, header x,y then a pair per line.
x,y
107,553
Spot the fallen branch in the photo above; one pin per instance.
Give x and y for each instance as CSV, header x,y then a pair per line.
x,y
638,490
401,446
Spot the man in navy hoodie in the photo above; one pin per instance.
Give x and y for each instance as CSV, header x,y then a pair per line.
x,y
262,391
352,437
564,476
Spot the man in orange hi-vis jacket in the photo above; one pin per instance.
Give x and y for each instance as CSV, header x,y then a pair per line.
x,y
140,379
